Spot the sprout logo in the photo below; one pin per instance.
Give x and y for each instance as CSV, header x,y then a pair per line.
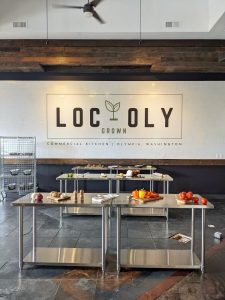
x,y
112,108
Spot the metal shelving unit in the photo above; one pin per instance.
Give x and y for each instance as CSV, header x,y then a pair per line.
x,y
17,165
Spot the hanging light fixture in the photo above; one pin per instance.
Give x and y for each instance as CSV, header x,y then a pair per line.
x,y
88,10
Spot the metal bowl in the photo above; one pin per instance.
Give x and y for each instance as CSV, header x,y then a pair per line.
x,y
22,187
14,172
11,186
27,172
30,185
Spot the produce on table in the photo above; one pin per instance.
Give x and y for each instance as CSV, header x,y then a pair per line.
x,y
187,197
144,194
204,201
196,200
38,197
135,194
141,194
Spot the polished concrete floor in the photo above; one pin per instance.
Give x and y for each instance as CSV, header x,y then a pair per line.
x,y
88,283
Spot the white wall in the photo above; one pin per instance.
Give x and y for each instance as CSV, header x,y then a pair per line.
x,y
192,15
23,113
31,11
196,18
216,10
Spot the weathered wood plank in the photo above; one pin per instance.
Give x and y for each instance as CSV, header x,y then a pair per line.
x,y
167,56
20,67
127,162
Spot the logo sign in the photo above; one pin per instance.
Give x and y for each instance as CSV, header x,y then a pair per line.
x,y
114,116
113,108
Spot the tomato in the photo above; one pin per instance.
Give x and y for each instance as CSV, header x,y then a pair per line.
x,y
195,199
182,196
135,194
204,201
189,195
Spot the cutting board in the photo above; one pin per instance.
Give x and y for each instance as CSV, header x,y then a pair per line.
x,y
58,199
145,200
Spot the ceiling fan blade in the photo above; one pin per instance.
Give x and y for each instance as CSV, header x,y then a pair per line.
x,y
67,6
97,17
95,2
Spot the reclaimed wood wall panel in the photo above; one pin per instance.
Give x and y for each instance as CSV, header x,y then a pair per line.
x,y
127,162
166,56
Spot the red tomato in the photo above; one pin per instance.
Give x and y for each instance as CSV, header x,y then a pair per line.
x,y
183,196
204,201
195,199
189,195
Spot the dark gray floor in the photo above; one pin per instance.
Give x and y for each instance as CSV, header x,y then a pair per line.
x,y
85,231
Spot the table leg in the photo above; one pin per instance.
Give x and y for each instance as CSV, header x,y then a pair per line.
x,y
203,241
60,186
20,238
150,182
103,239
118,238
167,213
151,185
110,186
65,187
118,186
65,191
192,231
110,192
77,183
60,216
106,228
167,192
34,233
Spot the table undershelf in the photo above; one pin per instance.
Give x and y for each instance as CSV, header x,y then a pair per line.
x,y
159,258
65,256
157,212
89,211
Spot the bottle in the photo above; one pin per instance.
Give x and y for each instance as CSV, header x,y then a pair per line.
x,y
75,196
82,195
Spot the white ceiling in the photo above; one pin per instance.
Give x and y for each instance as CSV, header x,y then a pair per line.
x,y
125,19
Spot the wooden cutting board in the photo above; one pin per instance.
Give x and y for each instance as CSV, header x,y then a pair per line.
x,y
145,200
58,199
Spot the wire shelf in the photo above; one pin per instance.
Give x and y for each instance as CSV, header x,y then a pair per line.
x,y
18,164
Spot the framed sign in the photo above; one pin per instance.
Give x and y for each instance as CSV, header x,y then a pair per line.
x,y
113,116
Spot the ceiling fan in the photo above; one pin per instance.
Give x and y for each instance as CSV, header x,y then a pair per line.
x,y
88,9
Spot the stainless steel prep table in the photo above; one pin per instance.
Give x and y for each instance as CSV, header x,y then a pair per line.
x,y
161,258
62,256
165,179
111,169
